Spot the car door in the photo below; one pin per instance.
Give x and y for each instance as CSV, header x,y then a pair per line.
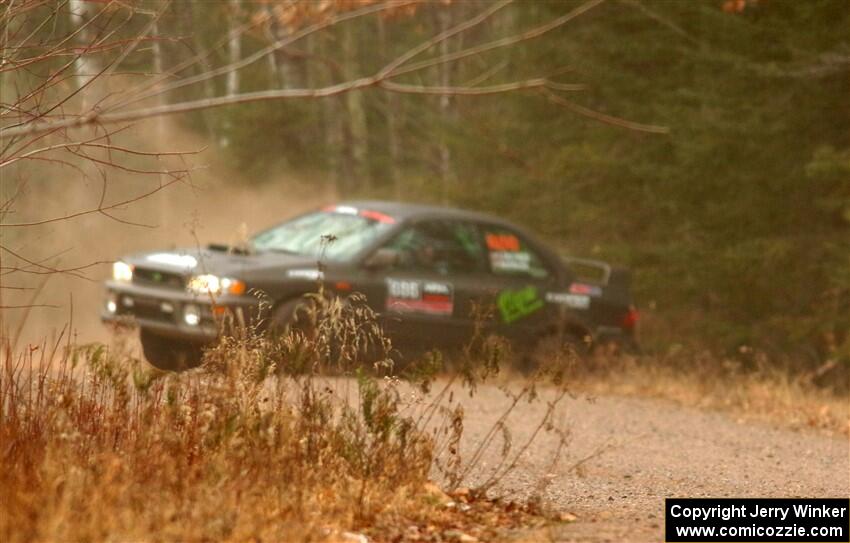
x,y
520,282
427,296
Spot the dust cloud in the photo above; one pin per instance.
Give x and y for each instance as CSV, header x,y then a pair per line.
x,y
214,204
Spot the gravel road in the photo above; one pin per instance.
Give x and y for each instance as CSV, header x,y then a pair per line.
x,y
625,455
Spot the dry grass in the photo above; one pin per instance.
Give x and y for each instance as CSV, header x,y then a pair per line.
x,y
100,448
761,389
258,444
261,444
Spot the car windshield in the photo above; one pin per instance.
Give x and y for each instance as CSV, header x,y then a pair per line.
x,y
323,235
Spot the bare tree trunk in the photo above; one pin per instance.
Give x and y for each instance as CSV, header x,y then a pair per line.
x,y
312,53
161,130
86,66
393,145
333,139
332,126
444,19
357,134
156,52
234,53
5,188
312,78
270,35
234,46
188,19
283,64
391,111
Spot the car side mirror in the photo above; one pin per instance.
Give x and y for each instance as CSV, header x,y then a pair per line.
x,y
384,257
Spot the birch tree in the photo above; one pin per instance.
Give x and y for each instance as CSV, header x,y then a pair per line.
x,y
81,14
234,54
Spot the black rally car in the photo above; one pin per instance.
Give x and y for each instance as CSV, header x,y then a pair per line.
x,y
422,268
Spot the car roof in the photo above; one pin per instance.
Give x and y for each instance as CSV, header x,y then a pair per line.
x,y
404,211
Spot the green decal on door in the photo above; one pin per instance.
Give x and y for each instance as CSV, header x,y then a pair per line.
x,y
516,304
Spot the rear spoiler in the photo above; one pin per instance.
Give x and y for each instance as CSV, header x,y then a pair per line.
x,y
616,281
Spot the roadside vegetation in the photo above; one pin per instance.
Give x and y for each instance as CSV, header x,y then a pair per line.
x,y
312,436
747,387
305,437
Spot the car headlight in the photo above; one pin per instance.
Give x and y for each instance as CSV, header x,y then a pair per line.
x,y
121,271
213,284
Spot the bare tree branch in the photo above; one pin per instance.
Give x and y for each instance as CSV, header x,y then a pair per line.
x,y
254,57
380,79
478,91
100,209
28,306
47,270
497,44
391,68
602,117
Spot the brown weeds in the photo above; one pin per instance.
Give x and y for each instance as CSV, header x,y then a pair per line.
x,y
755,386
292,438
97,447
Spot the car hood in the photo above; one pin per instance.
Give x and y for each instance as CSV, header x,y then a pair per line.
x,y
195,261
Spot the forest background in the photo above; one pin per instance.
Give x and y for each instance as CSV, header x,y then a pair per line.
x,y
707,147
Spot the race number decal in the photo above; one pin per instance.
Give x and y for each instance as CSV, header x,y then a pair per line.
x,y
425,297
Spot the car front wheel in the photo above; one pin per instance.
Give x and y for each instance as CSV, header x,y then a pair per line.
x,y
168,354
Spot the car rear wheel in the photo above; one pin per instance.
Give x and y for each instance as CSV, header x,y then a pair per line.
x,y
168,354
556,351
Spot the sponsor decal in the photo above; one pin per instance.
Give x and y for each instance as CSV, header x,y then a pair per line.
x,y
368,213
510,261
576,301
174,259
584,288
377,216
426,297
502,242
517,304
347,210
311,274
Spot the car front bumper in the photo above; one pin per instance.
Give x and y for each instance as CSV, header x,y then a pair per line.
x,y
164,311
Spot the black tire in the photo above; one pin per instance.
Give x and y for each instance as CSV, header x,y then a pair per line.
x,y
300,350
168,354
297,314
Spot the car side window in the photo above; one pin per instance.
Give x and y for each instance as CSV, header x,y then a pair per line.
x,y
510,255
443,247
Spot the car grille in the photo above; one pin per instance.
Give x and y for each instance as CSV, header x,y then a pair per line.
x,y
148,277
151,311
